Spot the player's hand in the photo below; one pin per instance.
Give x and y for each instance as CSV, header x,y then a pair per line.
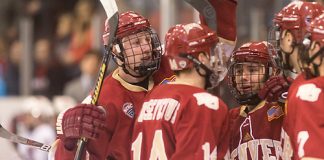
x,y
83,120
273,88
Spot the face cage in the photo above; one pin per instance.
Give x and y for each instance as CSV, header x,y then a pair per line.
x,y
245,87
274,40
140,53
305,60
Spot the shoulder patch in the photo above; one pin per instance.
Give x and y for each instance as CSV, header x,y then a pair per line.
x,y
128,109
308,92
207,99
275,112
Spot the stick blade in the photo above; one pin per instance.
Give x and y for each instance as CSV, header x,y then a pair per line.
x,y
21,140
110,7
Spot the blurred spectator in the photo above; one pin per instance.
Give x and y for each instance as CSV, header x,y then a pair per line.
x,y
63,6
49,75
36,122
81,34
9,13
80,87
63,35
3,57
40,82
42,13
12,69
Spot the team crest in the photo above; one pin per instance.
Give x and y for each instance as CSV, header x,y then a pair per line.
x,y
246,132
128,109
274,112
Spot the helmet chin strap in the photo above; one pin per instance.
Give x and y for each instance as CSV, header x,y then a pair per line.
x,y
146,68
316,66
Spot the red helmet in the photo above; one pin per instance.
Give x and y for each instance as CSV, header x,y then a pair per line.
x,y
296,16
134,28
191,39
316,30
257,52
183,44
129,23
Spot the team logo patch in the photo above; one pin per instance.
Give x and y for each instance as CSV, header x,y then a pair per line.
x,y
128,109
275,112
182,64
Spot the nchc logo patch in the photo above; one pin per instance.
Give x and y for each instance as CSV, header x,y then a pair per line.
x,y
129,110
275,112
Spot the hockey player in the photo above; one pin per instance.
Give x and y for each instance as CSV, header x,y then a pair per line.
x,y
288,32
180,120
290,29
305,105
291,23
137,53
255,126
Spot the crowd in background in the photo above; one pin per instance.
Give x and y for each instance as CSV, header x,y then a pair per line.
x,y
64,32
66,41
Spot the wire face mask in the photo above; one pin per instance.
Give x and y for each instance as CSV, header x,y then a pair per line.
x,y
274,40
306,62
140,53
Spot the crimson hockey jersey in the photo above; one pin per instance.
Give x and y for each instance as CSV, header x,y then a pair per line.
x,y
287,152
256,134
121,101
180,122
305,120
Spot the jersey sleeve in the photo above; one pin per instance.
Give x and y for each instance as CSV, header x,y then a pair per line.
x,y
309,125
225,18
200,129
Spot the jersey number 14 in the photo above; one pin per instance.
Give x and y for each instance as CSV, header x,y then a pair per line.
x,y
158,151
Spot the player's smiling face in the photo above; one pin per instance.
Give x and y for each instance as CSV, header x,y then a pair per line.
x,y
137,50
249,77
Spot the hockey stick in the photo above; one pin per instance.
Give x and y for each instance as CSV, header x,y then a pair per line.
x,y
21,140
111,9
207,10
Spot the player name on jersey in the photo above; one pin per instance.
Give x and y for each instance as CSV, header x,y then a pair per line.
x,y
270,149
157,109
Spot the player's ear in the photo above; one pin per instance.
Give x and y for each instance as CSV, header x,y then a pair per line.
x,y
287,36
